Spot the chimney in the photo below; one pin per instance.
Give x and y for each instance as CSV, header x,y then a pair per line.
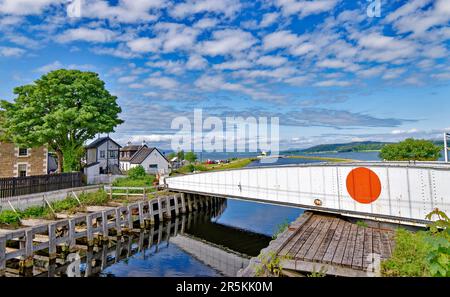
x,y
143,142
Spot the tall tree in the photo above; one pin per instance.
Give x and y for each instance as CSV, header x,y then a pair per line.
x,y
62,109
411,150
191,157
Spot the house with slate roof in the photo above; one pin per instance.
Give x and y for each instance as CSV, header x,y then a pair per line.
x,y
102,156
150,158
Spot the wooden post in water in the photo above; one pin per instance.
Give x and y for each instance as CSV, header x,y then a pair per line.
x,y
52,241
2,256
89,230
71,241
168,210
189,202
118,222
151,212
104,226
183,203
130,218
141,215
26,261
177,210
160,212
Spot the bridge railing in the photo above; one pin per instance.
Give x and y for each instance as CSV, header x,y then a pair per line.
x,y
407,193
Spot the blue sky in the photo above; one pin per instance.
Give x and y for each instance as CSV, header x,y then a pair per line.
x,y
329,71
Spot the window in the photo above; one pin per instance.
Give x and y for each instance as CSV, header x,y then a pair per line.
x,y
23,152
113,154
22,169
153,166
102,154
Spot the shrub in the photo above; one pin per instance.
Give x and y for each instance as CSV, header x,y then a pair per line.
x,y
9,217
137,172
409,256
96,198
411,149
66,204
34,212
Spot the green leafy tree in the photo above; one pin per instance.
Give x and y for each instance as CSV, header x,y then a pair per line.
x,y
411,149
171,156
180,155
63,109
137,172
190,157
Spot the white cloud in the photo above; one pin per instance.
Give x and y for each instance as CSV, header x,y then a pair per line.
x,y
381,48
126,79
206,23
6,51
272,61
190,7
305,8
268,19
196,62
126,11
409,19
229,41
145,45
332,83
26,7
280,39
162,82
233,65
58,65
86,34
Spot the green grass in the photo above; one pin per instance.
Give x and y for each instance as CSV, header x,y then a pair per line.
x,y
70,204
235,164
280,229
410,255
146,181
95,198
9,218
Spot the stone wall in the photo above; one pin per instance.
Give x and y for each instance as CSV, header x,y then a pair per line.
x,y
36,160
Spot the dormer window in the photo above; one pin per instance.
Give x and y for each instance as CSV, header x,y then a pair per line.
x,y
23,152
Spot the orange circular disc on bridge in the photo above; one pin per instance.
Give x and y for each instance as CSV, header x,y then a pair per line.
x,y
363,185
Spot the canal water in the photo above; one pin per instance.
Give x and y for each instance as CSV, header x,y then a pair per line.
x,y
216,245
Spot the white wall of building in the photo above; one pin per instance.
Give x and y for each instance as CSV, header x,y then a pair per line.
x,y
103,160
155,159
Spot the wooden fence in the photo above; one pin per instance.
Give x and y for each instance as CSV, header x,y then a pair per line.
x,y
16,186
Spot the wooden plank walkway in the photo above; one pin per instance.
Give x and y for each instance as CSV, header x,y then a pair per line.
x,y
331,244
99,224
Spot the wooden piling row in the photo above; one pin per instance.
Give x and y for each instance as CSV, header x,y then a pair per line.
x,y
94,227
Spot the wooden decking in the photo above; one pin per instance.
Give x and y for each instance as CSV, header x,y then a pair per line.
x,y
331,244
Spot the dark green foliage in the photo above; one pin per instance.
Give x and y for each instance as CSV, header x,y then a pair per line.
x,y
344,147
409,256
411,149
423,253
137,172
95,198
62,109
190,157
9,217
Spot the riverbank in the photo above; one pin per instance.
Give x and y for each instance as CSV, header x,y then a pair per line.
x,y
325,159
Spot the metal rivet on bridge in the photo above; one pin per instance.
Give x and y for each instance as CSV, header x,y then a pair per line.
x,y
363,185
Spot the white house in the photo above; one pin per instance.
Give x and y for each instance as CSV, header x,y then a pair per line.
x,y
151,159
102,157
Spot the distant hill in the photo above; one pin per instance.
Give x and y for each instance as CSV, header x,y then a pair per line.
x,y
349,147
343,147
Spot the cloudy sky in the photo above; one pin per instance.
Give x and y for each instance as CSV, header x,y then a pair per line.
x,y
329,71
